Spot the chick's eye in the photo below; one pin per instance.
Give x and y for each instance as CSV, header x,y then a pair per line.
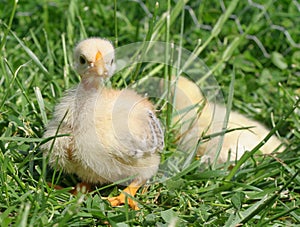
x,y
82,60
112,61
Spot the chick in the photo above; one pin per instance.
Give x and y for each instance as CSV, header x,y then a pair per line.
x,y
113,134
209,120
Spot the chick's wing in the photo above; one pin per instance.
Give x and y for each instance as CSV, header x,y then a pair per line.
x,y
131,125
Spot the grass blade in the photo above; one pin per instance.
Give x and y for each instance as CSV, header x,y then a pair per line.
x,y
41,104
30,53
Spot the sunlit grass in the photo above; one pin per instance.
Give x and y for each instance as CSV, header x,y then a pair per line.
x,y
240,38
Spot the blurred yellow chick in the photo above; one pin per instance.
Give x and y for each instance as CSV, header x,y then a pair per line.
x,y
210,119
113,134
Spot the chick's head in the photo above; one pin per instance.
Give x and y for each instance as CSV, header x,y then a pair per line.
x,y
94,57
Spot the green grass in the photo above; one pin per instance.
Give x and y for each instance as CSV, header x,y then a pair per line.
x,y
257,42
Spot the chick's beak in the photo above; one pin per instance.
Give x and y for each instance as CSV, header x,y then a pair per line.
x,y
99,65
98,56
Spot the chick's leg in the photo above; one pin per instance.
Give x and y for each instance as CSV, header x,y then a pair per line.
x,y
82,187
121,199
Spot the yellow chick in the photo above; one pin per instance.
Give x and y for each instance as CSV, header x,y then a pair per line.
x,y
210,119
113,134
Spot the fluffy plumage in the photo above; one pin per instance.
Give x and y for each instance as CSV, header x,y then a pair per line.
x,y
113,134
210,120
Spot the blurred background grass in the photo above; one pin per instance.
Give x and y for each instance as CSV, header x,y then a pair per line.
x,y
37,39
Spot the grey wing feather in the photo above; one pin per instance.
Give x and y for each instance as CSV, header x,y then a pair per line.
x,y
150,141
157,134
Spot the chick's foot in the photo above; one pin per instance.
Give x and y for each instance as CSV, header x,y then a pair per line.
x,y
82,187
125,195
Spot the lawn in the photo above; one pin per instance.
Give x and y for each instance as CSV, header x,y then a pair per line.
x,y
249,50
